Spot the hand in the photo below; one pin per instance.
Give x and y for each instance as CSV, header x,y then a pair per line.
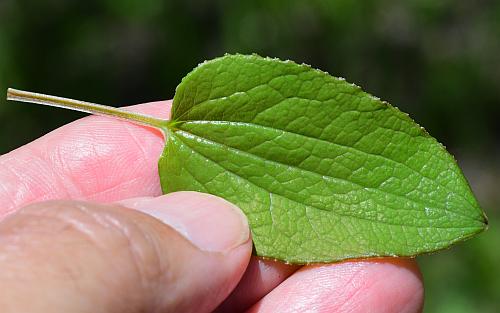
x,y
183,252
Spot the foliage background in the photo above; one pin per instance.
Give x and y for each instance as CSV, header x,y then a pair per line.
x,y
438,60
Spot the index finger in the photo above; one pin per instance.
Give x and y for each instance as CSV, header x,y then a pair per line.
x,y
94,158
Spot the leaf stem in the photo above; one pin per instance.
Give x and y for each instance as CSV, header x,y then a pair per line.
x,y
87,107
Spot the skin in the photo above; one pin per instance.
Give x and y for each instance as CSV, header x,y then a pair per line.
x,y
88,253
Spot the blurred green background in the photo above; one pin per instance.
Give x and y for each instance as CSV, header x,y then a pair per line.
x,y
438,60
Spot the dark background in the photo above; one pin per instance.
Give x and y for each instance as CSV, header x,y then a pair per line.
x,y
438,60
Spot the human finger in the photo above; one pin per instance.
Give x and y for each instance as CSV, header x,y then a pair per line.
x,y
68,256
261,276
94,158
378,285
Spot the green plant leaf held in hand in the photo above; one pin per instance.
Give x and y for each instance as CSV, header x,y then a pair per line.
x,y
323,171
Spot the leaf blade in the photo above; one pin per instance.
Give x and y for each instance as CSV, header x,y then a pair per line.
x,y
323,170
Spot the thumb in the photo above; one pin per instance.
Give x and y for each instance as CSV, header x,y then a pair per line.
x,y
66,256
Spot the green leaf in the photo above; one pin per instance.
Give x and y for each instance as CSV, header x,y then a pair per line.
x,y
323,171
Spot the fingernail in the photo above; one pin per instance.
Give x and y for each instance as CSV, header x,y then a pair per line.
x,y
209,222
